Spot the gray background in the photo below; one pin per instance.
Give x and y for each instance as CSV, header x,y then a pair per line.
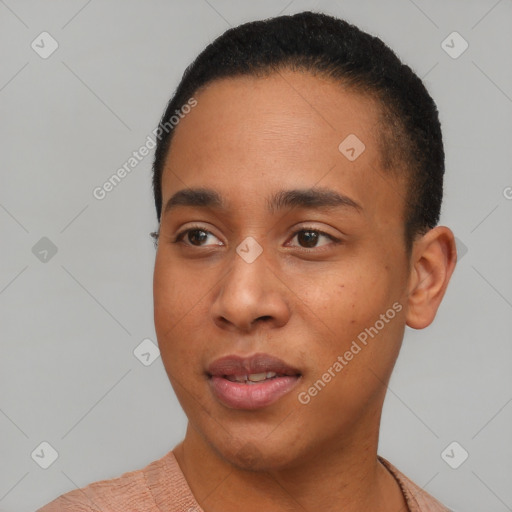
x,y
70,323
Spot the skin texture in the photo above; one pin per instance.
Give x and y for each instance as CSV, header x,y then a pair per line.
x,y
248,138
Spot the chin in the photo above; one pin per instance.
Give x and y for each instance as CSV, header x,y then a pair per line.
x,y
258,454
251,458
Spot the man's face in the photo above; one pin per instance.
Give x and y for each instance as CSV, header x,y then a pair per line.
x,y
326,272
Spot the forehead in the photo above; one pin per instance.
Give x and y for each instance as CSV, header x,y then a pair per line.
x,y
295,107
254,134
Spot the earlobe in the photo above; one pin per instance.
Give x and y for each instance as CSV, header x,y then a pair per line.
x,y
433,260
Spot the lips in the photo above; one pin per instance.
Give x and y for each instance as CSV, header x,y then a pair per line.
x,y
251,382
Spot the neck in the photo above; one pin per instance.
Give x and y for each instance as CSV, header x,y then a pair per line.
x,y
346,477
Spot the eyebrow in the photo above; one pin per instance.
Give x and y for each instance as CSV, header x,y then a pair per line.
x,y
322,198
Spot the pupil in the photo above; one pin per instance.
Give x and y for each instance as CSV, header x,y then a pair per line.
x,y
309,238
193,235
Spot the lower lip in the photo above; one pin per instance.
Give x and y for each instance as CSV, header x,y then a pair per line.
x,y
251,396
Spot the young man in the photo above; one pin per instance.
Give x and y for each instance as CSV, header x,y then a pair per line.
x,y
298,182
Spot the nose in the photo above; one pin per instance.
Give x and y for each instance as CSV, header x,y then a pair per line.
x,y
249,295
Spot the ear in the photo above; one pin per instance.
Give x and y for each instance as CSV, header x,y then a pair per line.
x,y
433,260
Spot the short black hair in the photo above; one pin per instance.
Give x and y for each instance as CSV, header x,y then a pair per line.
x,y
410,136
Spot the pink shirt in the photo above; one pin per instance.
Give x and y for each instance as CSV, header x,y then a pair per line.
x,y
161,487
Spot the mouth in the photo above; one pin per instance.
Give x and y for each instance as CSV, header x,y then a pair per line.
x,y
251,382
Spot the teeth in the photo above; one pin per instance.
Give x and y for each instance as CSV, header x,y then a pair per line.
x,y
253,377
257,377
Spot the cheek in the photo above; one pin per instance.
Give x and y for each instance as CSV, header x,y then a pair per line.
x,y
369,321
178,303
176,292
347,310
349,299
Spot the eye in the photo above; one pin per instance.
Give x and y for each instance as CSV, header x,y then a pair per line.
x,y
195,236
308,237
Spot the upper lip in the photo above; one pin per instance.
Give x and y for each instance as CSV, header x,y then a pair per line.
x,y
257,363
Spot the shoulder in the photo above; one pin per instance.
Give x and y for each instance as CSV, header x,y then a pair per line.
x,y
417,499
136,491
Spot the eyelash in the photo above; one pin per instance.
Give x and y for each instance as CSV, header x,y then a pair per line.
x,y
179,237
